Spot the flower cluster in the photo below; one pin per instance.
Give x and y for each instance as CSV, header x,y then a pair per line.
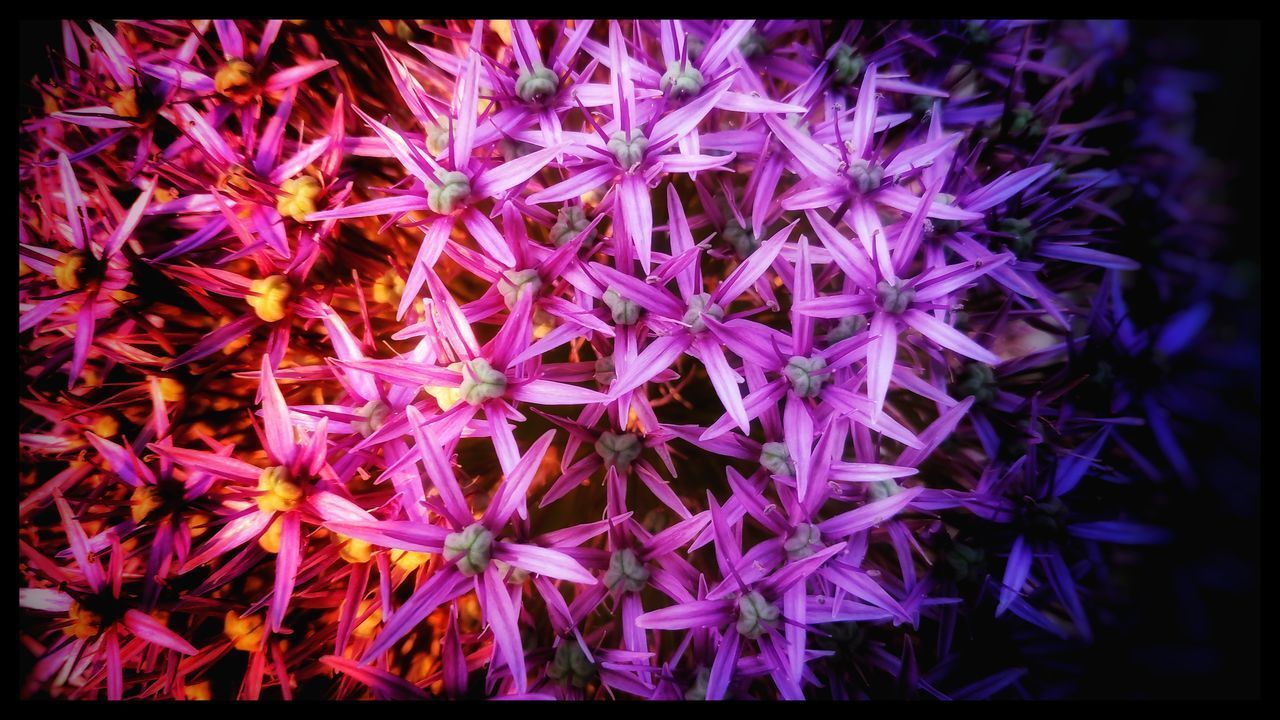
x,y
637,359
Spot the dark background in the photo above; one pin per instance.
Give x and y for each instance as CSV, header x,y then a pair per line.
x,y
1193,629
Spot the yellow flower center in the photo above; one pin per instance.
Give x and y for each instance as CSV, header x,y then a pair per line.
x,y
543,323
84,623
69,272
238,178
51,98
297,197
268,297
245,633
125,103
198,523
446,397
503,29
388,288
279,492
409,560
270,540
105,426
234,81
143,502
171,390
369,626
352,550
199,691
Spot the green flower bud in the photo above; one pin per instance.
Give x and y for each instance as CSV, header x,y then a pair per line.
x,y
437,139
803,541
1045,520
700,305
1025,121
698,690
537,87
627,570
965,561
515,284
624,311
977,32
847,327
481,382
695,46
605,371
571,665
450,194
804,375
619,450
864,175
681,83
882,489
375,413
751,44
1023,239
756,616
743,240
846,65
944,226
894,299
979,380
628,152
513,149
775,458
570,220
469,549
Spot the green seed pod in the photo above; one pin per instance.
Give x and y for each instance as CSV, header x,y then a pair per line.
x,y
681,82
619,450
756,616
804,375
624,311
469,549
537,87
626,569
450,194
894,299
481,382
700,305
628,152
775,458
803,541
515,284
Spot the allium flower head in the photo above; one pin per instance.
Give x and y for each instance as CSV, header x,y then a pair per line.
x,y
636,359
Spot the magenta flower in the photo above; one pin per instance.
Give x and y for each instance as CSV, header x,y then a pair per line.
x,y
91,269
910,336
474,549
101,618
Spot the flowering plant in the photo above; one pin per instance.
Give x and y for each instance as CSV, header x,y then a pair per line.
x,y
564,359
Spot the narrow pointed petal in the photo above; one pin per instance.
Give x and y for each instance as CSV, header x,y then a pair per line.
x,y
543,561
151,630
503,618
869,515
